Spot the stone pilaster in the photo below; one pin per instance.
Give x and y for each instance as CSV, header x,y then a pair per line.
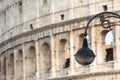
x,y
37,59
41,62
15,69
53,57
72,59
7,67
57,54
24,62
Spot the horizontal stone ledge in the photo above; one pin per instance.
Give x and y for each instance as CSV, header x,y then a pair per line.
x,y
87,75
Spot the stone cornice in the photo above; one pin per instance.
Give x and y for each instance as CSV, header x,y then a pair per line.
x,y
84,75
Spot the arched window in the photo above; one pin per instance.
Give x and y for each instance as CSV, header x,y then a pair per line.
x,y
107,45
109,42
11,66
4,69
64,54
32,66
19,64
47,57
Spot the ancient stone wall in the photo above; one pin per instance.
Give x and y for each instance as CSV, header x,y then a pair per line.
x,y
39,39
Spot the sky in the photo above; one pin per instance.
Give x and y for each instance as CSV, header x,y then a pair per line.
x,y
109,39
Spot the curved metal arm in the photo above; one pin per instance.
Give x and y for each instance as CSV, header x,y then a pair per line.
x,y
85,55
103,19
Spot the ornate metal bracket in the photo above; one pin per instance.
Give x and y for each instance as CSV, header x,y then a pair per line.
x,y
104,16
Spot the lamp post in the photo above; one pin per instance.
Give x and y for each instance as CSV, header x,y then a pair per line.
x,y
85,55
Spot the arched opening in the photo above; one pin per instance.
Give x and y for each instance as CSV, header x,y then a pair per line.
x,y
47,57
108,42
32,66
64,54
3,70
11,67
19,64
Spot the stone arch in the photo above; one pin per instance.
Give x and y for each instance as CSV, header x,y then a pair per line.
x,y
47,56
107,49
11,67
64,54
32,66
19,64
103,36
3,70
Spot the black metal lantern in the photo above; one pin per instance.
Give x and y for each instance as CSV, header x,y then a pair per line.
x,y
85,55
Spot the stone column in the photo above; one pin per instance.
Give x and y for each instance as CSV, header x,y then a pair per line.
x,y
24,63
15,71
53,56
37,59
72,59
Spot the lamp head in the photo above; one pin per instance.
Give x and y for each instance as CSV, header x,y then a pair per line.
x,y
85,55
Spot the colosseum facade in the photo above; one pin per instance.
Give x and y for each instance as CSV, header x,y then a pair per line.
x,y
39,38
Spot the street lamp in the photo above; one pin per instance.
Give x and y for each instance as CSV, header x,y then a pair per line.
x,y
85,55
